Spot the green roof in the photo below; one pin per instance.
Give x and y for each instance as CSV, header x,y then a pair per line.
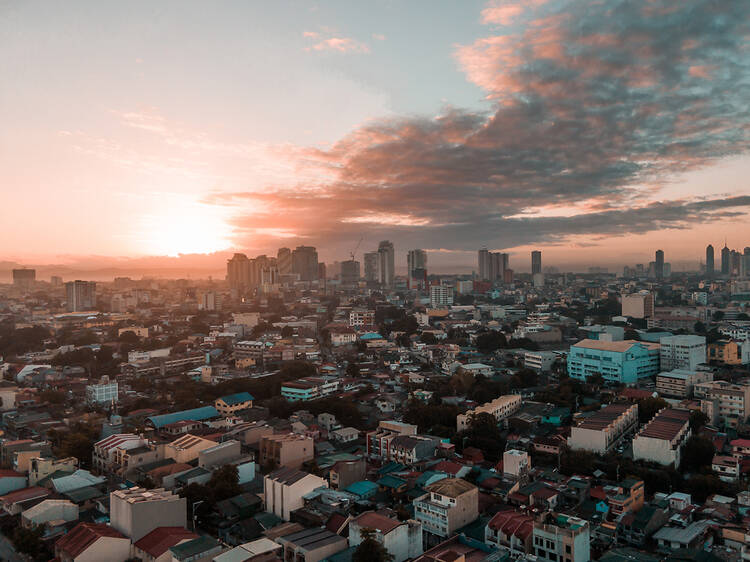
x,y
194,547
391,482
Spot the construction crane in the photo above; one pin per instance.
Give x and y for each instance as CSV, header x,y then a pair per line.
x,y
354,251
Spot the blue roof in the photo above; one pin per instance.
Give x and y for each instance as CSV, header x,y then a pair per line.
x,y
239,398
371,336
196,414
361,488
389,481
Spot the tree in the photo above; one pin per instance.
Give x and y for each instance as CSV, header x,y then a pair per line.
x,y
29,541
699,327
697,420
224,482
52,397
370,550
491,341
648,407
698,452
352,370
718,316
428,338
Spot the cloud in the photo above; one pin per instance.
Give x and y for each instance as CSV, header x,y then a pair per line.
x,y
594,106
378,36
335,44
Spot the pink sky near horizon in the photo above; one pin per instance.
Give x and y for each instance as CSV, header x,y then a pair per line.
x,y
125,162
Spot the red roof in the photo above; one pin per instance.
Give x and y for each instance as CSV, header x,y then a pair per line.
x,y
448,467
25,494
512,522
5,472
83,536
740,443
158,541
372,520
636,393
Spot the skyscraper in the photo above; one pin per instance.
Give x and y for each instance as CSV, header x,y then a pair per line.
x,y
709,260
81,295
238,272
305,263
726,260
371,267
349,272
536,262
484,265
659,264
416,259
24,278
386,263
284,261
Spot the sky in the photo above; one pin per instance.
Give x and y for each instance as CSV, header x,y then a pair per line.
x,y
596,130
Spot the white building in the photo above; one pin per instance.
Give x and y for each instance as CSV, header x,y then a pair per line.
x,y
106,392
604,429
723,402
440,296
135,512
516,463
541,361
682,352
283,490
501,407
638,305
402,539
679,383
564,539
662,439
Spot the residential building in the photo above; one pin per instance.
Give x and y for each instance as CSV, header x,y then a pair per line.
x,y
372,260
562,538
726,467
288,450
638,305
679,383
230,405
402,539
410,449
283,490
309,388
510,529
379,441
345,473
305,263
24,278
106,392
605,429
135,512
386,263
540,361
441,296
501,407
662,439
516,464
536,262
725,352
108,452
724,403
90,542
41,467
682,352
350,272
311,545
81,295
361,318
52,513
449,504
620,362
154,547
186,448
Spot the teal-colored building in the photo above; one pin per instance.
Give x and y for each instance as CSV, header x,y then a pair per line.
x,y
621,362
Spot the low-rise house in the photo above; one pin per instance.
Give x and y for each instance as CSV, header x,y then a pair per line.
x,y
511,529
154,547
726,467
89,542
41,467
691,536
402,539
662,439
283,490
559,537
286,450
10,480
187,448
449,504
135,512
54,515
199,549
20,500
311,545
344,435
234,403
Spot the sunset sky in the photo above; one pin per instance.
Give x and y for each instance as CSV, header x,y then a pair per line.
x,y
597,131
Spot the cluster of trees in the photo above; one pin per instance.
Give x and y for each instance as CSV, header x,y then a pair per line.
x,y
345,410
22,340
224,484
484,434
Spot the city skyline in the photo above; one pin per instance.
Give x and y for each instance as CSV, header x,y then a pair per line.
x,y
447,137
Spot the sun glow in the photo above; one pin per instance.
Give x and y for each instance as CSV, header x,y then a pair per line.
x,y
191,228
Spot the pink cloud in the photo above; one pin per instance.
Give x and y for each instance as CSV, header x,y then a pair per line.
x,y
341,45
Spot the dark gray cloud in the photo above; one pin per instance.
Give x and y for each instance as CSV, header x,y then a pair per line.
x,y
595,105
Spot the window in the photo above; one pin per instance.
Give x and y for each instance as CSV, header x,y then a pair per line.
x,y
568,550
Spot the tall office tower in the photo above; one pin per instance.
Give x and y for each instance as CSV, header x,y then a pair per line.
x,y
386,263
24,278
745,263
372,259
349,272
536,262
238,272
56,281
709,260
498,265
284,261
322,276
725,260
736,259
484,265
81,295
416,259
305,263
659,261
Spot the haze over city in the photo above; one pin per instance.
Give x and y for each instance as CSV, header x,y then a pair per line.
x,y
136,132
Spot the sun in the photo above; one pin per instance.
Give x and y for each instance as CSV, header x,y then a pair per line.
x,y
191,228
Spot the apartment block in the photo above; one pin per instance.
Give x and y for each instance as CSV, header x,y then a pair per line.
x,y
724,403
638,305
604,429
379,441
501,407
449,504
135,512
286,450
682,352
662,439
402,539
283,490
562,538
620,362
679,383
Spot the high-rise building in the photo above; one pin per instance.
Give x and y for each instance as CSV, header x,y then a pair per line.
x,y
56,281
386,263
638,305
745,264
726,260
536,262
305,263
416,259
24,278
238,272
284,261
441,295
735,264
659,264
81,295
372,259
484,265
350,272
709,260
